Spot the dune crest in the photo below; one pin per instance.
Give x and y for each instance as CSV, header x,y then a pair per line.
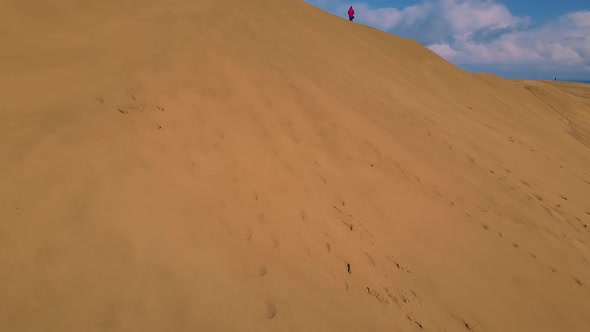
x,y
266,166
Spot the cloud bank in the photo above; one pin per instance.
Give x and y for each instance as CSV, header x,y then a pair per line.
x,y
483,34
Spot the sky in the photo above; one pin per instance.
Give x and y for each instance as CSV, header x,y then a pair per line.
x,y
529,39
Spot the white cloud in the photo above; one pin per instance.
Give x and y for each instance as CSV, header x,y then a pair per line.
x,y
443,50
385,18
580,18
471,15
482,32
381,18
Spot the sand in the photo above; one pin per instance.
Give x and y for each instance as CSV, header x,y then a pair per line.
x,y
266,166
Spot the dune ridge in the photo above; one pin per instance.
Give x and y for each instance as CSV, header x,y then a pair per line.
x,y
267,166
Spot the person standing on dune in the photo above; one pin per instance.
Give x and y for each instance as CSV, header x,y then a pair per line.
x,y
350,14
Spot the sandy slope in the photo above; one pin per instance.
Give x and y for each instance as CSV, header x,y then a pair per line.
x,y
215,165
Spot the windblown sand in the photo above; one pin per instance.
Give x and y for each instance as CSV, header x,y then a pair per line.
x,y
263,165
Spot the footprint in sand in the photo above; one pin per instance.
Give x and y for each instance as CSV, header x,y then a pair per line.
x,y
413,319
271,310
370,258
262,271
468,326
261,219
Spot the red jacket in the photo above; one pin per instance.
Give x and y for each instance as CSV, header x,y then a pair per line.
x,y
350,12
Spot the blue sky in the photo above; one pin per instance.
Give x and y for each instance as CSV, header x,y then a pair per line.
x,y
534,39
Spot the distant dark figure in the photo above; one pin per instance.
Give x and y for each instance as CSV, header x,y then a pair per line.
x,y
555,79
350,14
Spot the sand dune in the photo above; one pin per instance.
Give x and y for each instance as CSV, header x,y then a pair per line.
x,y
266,166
